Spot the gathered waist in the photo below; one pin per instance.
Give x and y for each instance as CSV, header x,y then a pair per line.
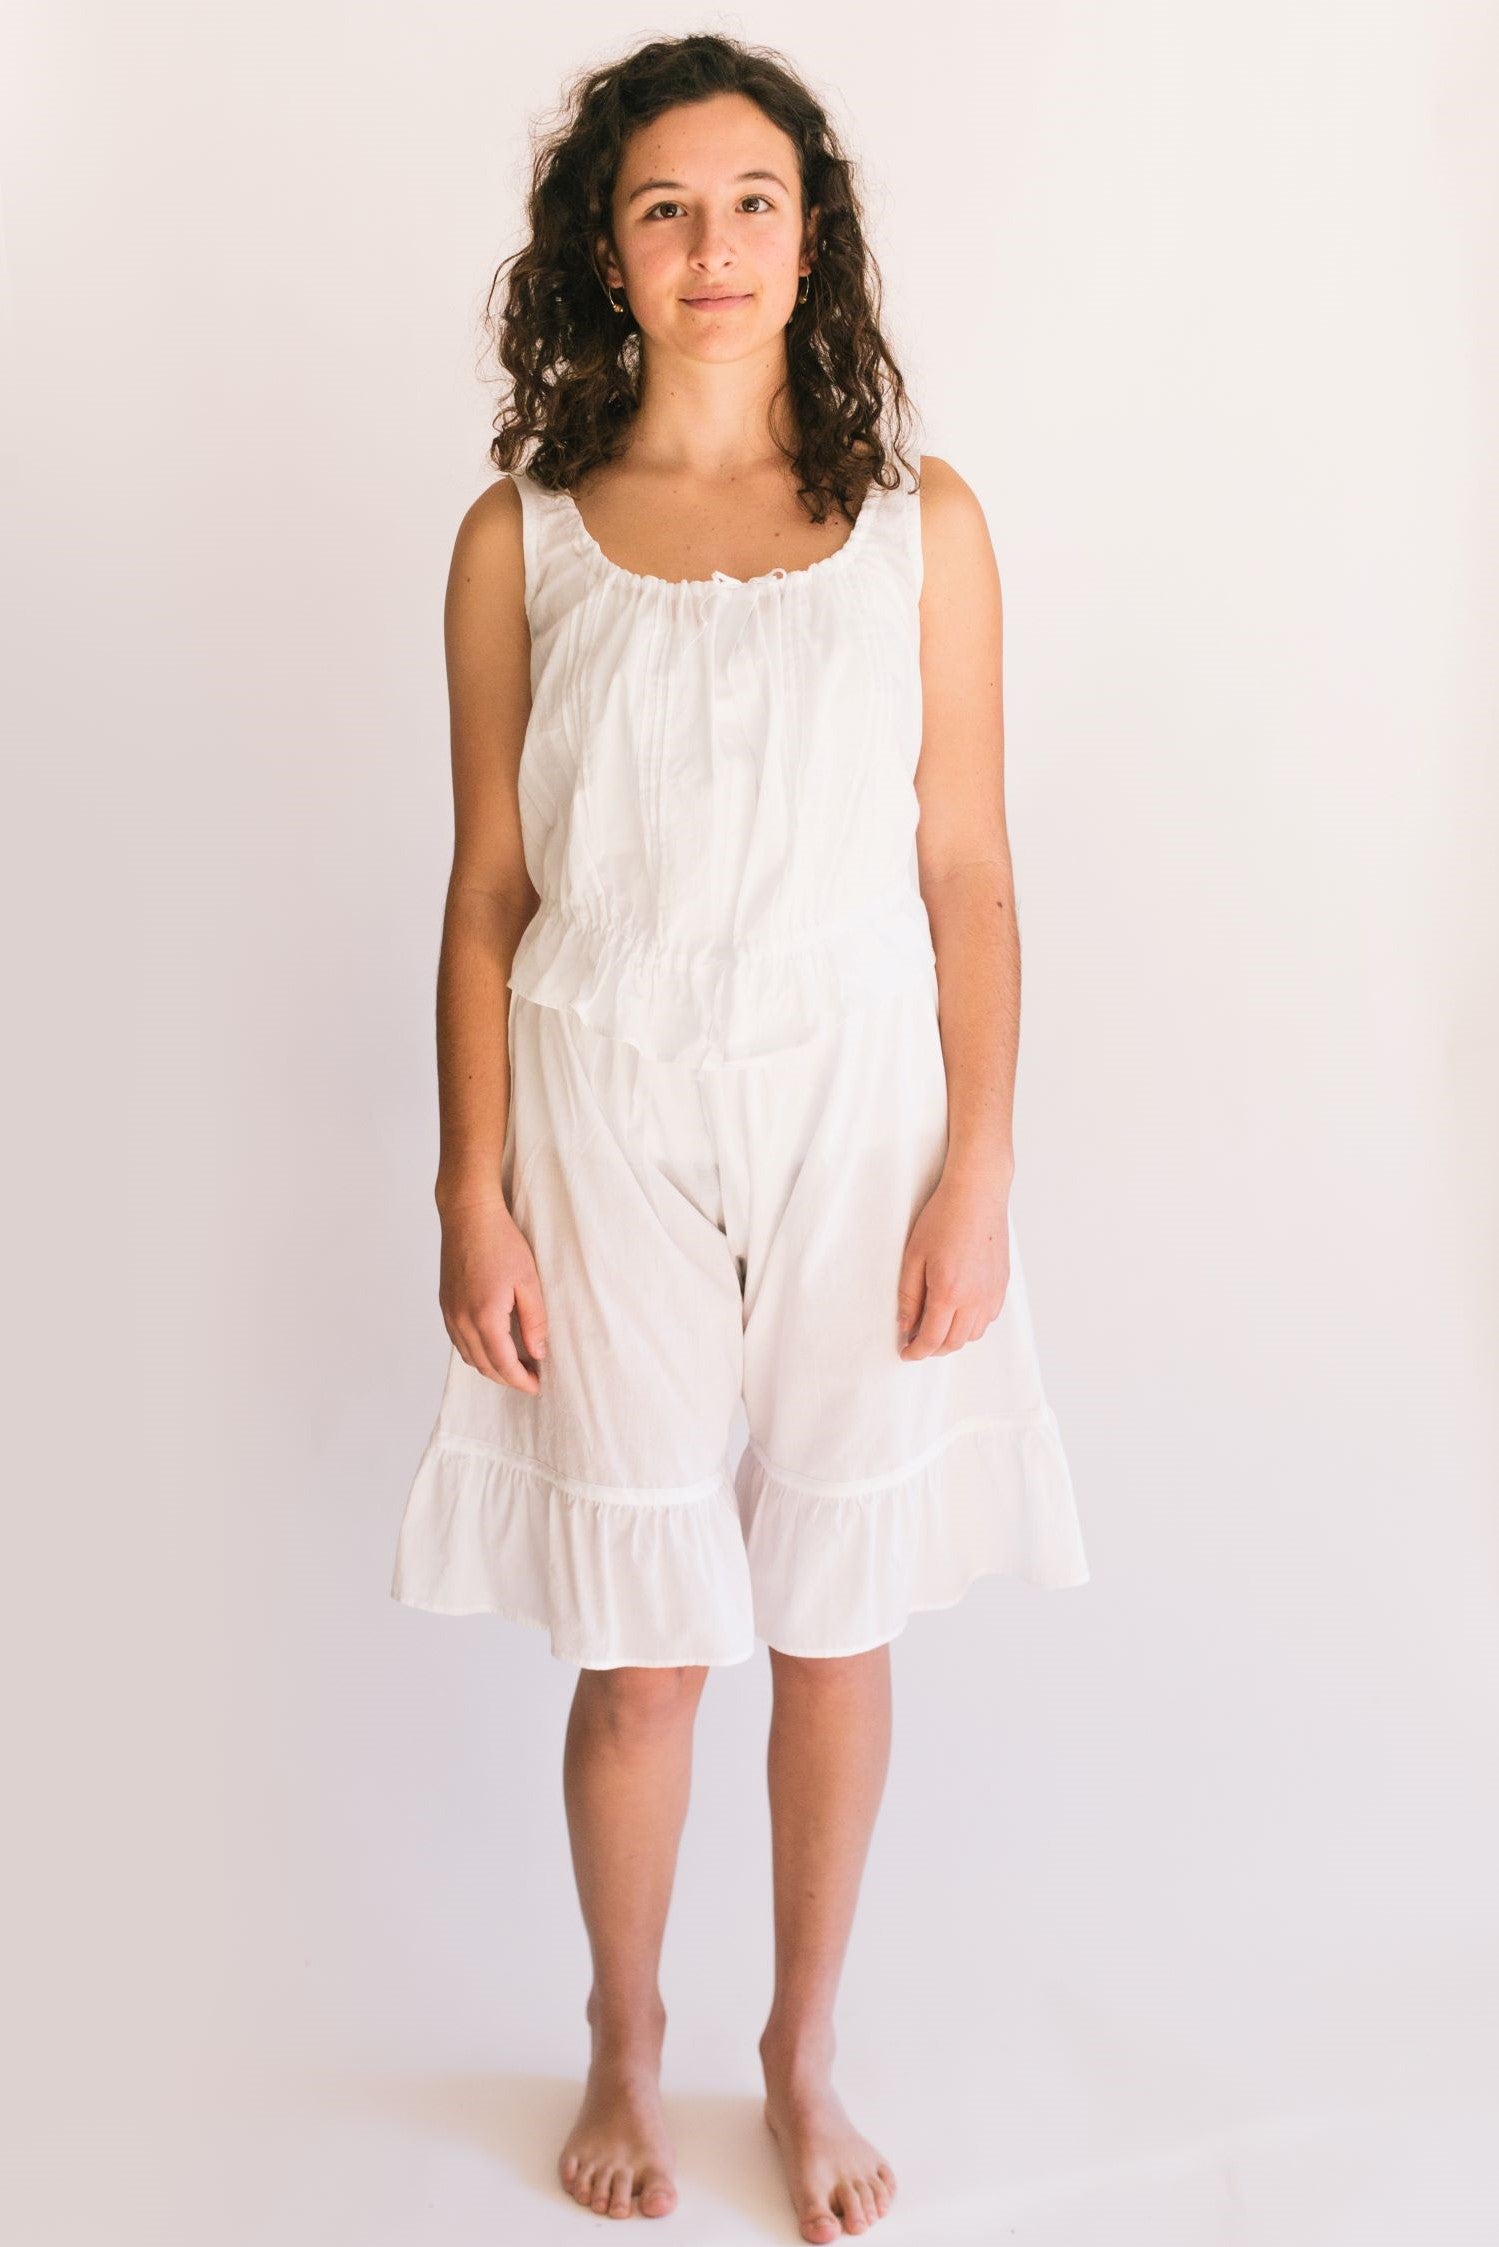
x,y
707,1005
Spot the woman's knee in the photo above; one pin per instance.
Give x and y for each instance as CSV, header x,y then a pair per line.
x,y
640,1701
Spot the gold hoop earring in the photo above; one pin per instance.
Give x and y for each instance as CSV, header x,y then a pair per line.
x,y
806,288
612,305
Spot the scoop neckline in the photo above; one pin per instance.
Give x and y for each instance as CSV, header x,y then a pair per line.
x,y
590,546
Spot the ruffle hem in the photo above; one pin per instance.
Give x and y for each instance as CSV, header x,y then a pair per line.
x,y
695,1574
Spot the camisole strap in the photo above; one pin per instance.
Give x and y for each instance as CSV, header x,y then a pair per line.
x,y
543,530
911,523
896,527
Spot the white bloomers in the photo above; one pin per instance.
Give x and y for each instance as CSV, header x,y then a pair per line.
x,y
704,1236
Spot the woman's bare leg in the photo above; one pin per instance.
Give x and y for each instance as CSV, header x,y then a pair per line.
x,y
828,1754
626,1773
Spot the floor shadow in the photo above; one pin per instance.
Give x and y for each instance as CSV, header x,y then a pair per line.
x,y
725,2151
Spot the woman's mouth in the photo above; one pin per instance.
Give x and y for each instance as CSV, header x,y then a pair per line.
x,y
714,303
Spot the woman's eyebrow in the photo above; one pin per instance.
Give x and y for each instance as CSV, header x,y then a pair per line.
x,y
651,186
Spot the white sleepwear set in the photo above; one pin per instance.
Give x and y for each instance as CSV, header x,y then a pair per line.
x,y
728,1106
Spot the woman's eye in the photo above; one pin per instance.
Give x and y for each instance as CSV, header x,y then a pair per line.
x,y
655,207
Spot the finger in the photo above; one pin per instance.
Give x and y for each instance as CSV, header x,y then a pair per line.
x,y
503,1357
531,1311
480,1331
458,1341
465,1342
936,1319
910,1294
473,1348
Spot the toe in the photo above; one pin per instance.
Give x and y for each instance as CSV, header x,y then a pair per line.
x,y
820,2225
622,2193
852,2206
658,2195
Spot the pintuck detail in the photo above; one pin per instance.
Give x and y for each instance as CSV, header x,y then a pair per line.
x,y
717,788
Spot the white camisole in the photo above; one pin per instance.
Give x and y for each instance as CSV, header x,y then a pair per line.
x,y
716,787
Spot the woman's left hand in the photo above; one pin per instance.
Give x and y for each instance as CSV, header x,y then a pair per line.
x,y
955,1273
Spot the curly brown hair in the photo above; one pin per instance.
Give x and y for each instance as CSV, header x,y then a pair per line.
x,y
573,364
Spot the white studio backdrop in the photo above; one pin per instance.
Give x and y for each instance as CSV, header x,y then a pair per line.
x,y
1179,1921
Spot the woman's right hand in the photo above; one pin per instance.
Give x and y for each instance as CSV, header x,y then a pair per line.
x,y
488,1271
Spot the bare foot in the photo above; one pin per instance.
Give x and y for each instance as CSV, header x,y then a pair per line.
x,y
618,2153
839,2182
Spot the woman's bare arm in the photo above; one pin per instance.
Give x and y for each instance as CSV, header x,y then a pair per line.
x,y
490,898
963,847
489,1281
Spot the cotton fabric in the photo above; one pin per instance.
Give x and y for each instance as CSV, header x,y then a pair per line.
x,y
716,788
728,1106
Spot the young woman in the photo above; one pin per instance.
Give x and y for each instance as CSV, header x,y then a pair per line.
x,y
726,1053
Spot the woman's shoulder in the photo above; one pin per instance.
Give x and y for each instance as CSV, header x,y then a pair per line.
x,y
954,527
493,522
490,536
943,491
496,510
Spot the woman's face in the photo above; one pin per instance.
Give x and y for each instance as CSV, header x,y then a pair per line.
x,y
708,225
